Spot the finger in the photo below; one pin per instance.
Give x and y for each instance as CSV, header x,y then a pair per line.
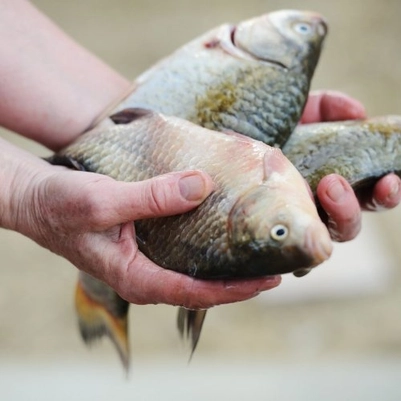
x,y
138,280
386,194
338,200
331,106
105,255
147,283
112,202
165,195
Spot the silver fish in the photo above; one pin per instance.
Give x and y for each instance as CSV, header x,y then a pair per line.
x,y
260,220
361,151
252,78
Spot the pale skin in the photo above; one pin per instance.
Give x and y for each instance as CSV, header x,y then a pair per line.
x,y
51,90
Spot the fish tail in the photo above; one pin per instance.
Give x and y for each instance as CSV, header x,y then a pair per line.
x,y
190,324
102,312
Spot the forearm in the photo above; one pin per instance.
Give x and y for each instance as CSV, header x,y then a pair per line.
x,y
51,88
19,171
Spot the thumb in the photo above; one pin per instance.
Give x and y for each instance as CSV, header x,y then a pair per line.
x,y
165,195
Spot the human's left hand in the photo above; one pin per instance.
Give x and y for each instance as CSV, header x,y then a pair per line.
x,y
335,195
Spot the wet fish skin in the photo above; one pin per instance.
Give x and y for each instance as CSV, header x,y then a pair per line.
x,y
252,78
362,151
233,233
260,219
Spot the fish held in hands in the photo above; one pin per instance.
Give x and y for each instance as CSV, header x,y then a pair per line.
x,y
260,219
362,151
252,78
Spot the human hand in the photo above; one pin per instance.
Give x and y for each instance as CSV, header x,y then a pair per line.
x,y
87,218
335,194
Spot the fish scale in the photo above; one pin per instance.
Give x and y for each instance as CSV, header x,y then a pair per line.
x,y
226,87
199,242
361,151
229,235
254,79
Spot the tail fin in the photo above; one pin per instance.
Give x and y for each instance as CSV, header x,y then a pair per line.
x,y
190,324
101,311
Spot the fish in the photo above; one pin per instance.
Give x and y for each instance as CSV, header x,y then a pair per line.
x,y
362,151
252,78
260,219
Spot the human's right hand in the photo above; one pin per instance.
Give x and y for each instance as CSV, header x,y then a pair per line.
x,y
335,194
87,218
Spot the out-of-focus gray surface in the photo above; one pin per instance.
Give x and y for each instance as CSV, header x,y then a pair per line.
x,y
341,347
246,379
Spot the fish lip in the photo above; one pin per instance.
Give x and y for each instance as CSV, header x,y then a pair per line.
x,y
226,39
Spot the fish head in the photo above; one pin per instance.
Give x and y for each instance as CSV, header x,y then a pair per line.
x,y
288,38
275,226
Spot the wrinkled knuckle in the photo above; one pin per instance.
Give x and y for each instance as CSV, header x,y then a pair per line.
x,y
157,199
191,299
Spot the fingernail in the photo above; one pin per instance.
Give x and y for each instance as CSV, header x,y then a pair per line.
x,y
192,187
395,189
263,283
270,282
335,191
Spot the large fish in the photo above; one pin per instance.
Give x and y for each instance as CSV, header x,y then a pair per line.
x,y
260,219
361,151
252,78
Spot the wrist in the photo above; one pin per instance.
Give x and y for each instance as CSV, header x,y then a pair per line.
x,y
20,174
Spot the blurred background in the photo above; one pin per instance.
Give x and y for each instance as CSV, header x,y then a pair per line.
x,y
335,333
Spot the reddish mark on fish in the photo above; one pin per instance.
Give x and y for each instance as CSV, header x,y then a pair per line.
x,y
211,44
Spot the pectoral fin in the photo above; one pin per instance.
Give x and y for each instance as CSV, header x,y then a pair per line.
x,y
65,161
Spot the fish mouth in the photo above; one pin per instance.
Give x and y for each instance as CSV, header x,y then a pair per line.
x,y
252,56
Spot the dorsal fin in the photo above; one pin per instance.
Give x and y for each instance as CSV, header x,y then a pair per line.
x,y
128,115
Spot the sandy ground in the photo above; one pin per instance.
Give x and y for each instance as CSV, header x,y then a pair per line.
x,y
350,343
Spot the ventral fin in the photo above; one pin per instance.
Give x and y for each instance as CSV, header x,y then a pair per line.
x,y
189,323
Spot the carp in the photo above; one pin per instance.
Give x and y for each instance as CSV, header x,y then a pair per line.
x,y
362,151
252,78
260,219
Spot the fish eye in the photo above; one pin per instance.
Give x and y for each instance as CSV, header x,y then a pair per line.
x,y
303,28
279,232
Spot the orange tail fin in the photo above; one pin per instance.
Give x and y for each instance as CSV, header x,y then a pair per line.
x,y
102,312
